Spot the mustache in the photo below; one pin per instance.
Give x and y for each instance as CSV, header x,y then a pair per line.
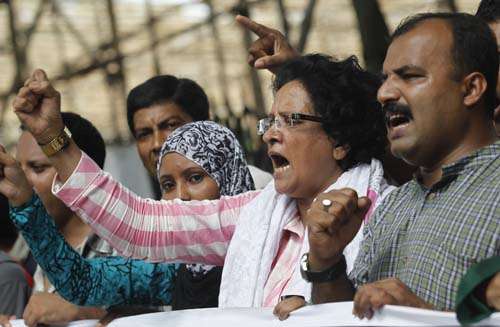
x,y
393,108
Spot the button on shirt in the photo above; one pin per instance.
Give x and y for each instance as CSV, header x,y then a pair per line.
x,y
429,237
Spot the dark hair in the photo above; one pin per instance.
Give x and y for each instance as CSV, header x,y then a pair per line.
x,y
345,96
474,47
8,232
489,10
85,135
184,92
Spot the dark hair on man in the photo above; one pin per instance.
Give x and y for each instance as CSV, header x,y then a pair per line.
x,y
85,135
8,233
345,97
474,47
184,92
489,11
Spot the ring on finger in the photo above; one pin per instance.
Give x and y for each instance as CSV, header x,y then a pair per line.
x,y
326,204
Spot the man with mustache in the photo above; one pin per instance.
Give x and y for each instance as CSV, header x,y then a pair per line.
x,y
439,97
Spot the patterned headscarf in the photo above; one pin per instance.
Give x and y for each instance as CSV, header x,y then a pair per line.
x,y
216,150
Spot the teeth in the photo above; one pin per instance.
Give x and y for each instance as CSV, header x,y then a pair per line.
x,y
398,119
282,169
396,116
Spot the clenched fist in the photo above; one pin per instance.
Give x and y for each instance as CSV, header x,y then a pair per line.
x,y
38,107
13,182
332,227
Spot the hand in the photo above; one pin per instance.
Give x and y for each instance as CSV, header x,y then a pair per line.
x,y
493,292
49,308
5,320
38,105
373,296
108,318
13,182
282,310
331,230
271,50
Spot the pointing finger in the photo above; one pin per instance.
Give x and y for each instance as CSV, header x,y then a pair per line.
x,y
257,28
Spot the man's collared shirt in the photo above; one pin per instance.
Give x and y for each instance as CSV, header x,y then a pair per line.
x,y
429,237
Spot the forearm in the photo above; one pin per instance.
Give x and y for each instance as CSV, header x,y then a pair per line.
x,y
98,281
66,160
90,313
339,290
194,231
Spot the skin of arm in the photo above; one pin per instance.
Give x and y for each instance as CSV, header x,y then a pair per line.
x,y
339,290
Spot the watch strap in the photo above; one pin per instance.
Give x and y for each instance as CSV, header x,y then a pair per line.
x,y
57,143
327,275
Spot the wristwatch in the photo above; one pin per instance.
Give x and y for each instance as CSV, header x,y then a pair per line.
x,y
327,275
57,143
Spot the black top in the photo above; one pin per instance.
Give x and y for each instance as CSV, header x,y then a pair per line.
x,y
194,292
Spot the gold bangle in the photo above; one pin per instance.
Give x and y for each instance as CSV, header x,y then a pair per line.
x,y
57,143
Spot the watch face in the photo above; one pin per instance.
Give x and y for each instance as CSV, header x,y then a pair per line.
x,y
303,261
56,144
303,267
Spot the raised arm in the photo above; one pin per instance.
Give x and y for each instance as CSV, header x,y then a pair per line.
x,y
191,232
38,107
106,281
197,231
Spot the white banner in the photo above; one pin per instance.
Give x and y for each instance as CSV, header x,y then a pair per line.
x,y
330,314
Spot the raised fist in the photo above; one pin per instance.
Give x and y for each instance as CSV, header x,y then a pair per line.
x,y
13,182
38,107
333,221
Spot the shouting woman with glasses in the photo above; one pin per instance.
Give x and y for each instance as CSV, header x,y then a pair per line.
x,y
324,132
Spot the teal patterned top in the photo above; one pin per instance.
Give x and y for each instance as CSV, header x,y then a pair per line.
x,y
100,281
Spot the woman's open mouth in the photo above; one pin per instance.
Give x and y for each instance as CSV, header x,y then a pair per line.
x,y
280,163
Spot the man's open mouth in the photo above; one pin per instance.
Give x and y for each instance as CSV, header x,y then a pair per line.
x,y
397,115
395,120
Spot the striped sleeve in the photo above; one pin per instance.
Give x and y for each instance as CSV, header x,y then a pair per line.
x,y
190,232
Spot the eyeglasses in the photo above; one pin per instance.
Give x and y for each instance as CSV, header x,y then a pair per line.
x,y
284,120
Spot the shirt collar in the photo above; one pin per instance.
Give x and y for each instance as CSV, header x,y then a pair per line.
x,y
466,164
472,161
295,226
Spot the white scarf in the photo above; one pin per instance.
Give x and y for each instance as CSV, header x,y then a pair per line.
x,y
255,242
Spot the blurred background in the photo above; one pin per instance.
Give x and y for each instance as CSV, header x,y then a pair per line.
x,y
95,51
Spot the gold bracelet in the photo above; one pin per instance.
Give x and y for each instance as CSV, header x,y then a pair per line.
x,y
57,143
